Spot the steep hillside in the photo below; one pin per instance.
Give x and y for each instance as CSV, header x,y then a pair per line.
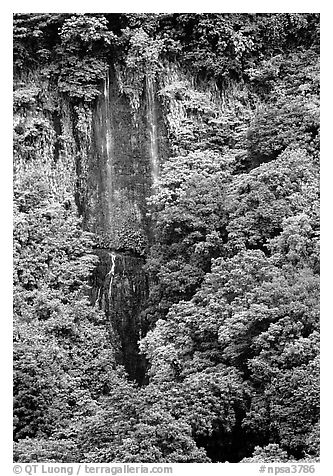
x,y
166,237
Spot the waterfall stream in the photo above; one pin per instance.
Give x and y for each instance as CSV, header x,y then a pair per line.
x,y
111,273
107,113
152,126
120,289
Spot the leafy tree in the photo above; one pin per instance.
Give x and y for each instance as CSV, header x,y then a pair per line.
x,y
190,219
271,453
35,36
63,361
261,321
286,75
224,45
41,450
292,122
82,65
129,427
260,200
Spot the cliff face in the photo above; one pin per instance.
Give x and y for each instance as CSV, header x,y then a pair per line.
x,y
120,164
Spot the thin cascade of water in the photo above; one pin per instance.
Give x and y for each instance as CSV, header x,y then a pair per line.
x,y
152,125
98,297
108,151
107,112
111,273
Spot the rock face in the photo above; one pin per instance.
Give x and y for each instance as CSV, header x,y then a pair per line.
x,y
120,288
120,168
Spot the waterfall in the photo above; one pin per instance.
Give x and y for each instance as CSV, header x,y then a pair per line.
x,y
123,164
152,127
107,113
108,149
98,297
121,286
111,273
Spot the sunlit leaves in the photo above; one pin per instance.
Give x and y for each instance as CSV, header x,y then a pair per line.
x,y
260,200
61,353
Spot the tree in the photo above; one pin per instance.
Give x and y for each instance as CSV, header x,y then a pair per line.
x,y
130,426
260,322
289,122
63,361
260,200
190,219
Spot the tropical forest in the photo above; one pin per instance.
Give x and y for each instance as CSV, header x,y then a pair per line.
x,y
166,237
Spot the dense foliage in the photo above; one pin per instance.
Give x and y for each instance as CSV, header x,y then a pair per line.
x,y
230,330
